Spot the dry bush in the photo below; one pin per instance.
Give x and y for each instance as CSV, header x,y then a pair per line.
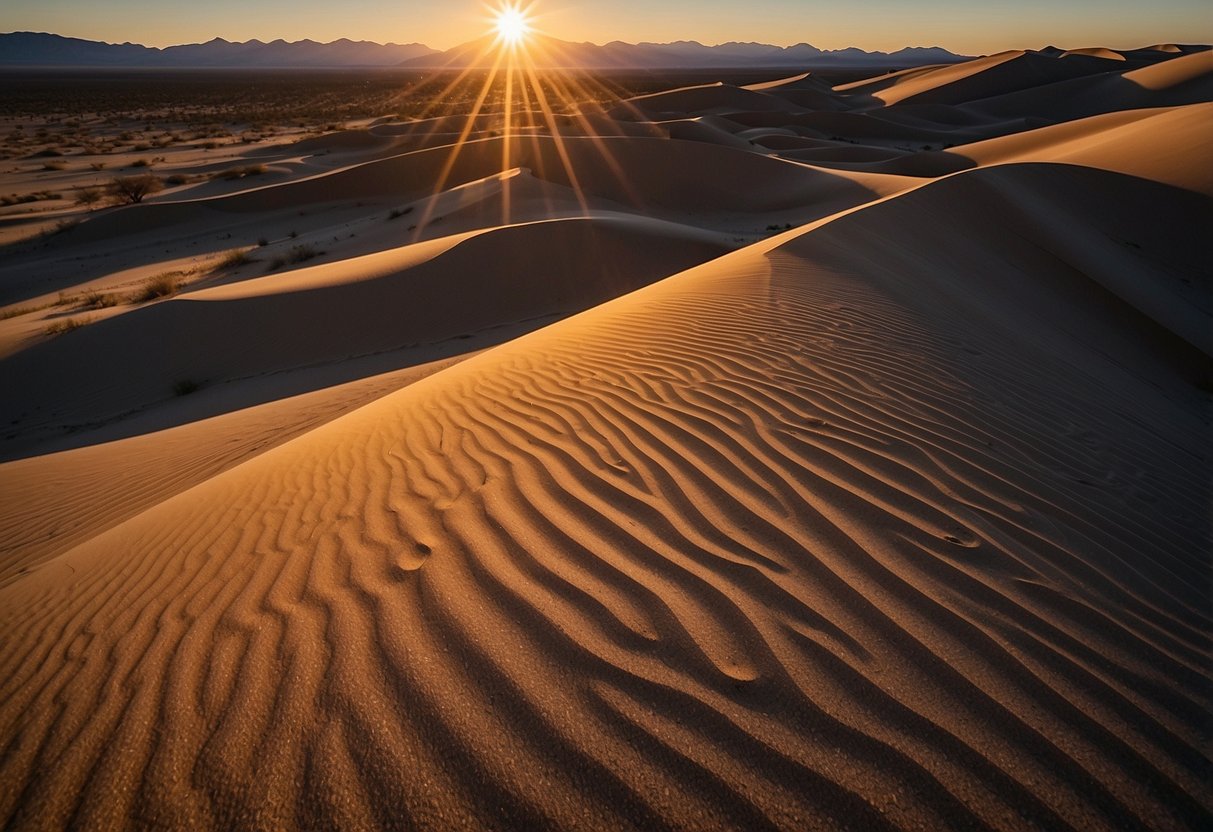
x,y
88,197
99,300
132,189
297,254
233,259
64,325
162,285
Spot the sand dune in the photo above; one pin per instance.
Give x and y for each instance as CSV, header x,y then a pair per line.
x,y
414,296
888,510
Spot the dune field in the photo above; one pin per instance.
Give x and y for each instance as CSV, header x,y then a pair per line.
x,y
789,456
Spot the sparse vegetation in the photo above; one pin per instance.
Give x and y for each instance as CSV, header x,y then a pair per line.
x,y
99,300
88,197
233,259
64,325
162,285
133,189
185,386
21,199
241,172
54,165
297,254
399,212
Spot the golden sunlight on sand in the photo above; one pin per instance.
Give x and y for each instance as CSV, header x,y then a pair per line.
x,y
763,453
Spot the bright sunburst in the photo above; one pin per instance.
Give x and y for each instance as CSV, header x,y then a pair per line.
x,y
512,24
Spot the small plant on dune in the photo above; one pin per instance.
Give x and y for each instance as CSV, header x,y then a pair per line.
x,y
97,165
233,259
185,386
297,254
177,179
162,285
399,212
133,189
140,163
65,325
262,241
88,197
54,165
99,300
240,173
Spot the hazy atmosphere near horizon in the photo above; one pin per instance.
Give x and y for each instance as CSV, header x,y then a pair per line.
x,y
963,27
769,416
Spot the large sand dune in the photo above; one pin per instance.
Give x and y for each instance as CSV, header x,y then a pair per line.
x,y
894,517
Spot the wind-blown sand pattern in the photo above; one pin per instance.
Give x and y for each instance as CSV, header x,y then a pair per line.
x,y
898,519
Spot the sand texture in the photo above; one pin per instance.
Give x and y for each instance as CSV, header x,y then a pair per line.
x,y
744,465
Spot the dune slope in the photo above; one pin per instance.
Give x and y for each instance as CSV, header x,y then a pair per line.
x,y
796,539
888,511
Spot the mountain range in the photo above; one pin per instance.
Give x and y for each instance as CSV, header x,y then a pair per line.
x,y
41,49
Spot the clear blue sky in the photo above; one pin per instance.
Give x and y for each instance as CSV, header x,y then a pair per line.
x,y
972,27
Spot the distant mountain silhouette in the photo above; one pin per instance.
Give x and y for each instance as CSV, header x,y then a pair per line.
x,y
548,51
40,49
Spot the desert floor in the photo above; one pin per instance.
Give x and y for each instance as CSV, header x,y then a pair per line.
x,y
791,455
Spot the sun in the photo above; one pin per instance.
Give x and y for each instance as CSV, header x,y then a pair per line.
x,y
512,25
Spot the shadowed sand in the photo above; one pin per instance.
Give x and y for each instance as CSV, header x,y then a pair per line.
x,y
894,519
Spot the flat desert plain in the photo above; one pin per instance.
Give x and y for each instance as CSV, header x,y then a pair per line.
x,y
793,455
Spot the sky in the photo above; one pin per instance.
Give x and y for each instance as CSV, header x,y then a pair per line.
x,y
977,27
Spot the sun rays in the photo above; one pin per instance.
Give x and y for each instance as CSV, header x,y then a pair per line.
x,y
526,96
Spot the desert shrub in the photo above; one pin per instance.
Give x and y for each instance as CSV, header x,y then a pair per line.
x,y
140,163
88,197
133,189
64,325
399,212
54,165
162,285
177,179
96,165
234,258
297,254
185,386
99,300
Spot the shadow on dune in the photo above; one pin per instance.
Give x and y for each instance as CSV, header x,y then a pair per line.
x,y
656,177
339,317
